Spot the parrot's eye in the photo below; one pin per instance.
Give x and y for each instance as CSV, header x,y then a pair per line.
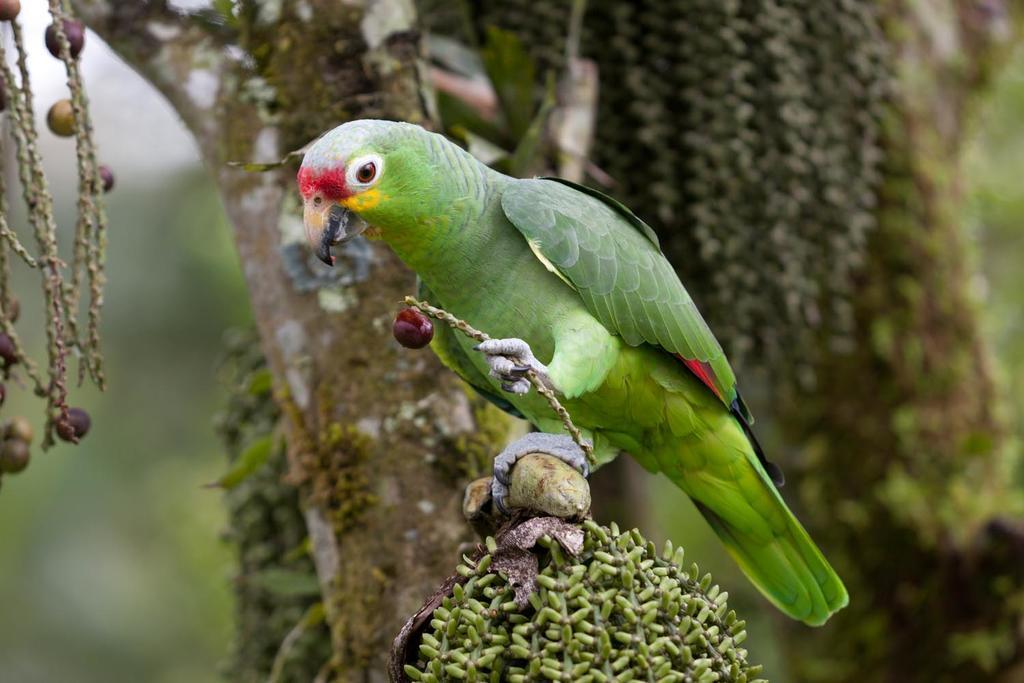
x,y
366,172
318,200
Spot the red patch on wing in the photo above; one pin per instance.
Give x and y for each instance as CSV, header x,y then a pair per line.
x,y
330,183
704,372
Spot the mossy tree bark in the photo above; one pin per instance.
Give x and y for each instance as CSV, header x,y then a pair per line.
x,y
377,437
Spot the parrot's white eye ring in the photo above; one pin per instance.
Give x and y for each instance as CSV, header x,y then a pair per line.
x,y
364,171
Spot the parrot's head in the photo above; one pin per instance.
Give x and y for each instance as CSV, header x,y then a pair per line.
x,y
365,173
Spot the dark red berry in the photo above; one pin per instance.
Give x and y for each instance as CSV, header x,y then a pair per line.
x,y
9,9
412,329
75,32
107,176
76,426
8,353
14,455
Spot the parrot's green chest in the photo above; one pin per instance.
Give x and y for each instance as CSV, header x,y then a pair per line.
x,y
488,275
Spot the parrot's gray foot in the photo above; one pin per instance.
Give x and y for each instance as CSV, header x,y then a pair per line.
x,y
560,446
510,360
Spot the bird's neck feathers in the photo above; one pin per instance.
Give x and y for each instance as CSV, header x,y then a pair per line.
x,y
451,226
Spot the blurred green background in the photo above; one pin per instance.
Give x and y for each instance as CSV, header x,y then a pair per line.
x,y
112,566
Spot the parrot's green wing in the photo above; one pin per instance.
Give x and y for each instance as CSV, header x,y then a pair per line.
x,y
445,346
614,261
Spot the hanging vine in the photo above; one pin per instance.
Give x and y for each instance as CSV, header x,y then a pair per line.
x,y
69,331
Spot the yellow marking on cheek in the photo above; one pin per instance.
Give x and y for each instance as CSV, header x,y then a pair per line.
x,y
365,200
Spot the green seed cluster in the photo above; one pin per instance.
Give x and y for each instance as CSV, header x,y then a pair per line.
x,y
267,530
747,132
618,612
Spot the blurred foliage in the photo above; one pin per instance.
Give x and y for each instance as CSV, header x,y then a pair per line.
x,y
995,216
510,138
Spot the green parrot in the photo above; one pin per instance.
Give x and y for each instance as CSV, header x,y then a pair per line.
x,y
571,284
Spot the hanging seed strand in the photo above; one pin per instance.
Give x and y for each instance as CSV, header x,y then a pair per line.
x,y
90,228
40,207
6,233
9,236
70,291
542,389
12,240
6,302
40,212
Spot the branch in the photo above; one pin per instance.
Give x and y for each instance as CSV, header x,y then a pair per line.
x,y
180,58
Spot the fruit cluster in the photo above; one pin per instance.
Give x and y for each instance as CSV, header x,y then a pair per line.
x,y
63,282
16,432
620,611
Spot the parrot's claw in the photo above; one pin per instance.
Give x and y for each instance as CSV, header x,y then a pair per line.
x,y
510,360
560,446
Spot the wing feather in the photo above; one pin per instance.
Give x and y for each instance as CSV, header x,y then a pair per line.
x,y
613,259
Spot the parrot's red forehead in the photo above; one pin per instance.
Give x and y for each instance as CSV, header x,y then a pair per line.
x,y
328,182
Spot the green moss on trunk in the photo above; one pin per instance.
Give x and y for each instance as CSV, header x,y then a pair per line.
x,y
268,531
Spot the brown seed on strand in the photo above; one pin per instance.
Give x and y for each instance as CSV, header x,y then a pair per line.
x,y
14,456
9,9
19,429
61,118
75,32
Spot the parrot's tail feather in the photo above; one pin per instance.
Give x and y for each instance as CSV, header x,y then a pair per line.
x,y
789,570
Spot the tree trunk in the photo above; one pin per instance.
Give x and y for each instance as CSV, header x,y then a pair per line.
x,y
377,437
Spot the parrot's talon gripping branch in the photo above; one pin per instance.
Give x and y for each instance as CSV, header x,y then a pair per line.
x,y
541,382
511,361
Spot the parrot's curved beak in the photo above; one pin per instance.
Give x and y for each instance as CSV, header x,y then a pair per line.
x,y
327,228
